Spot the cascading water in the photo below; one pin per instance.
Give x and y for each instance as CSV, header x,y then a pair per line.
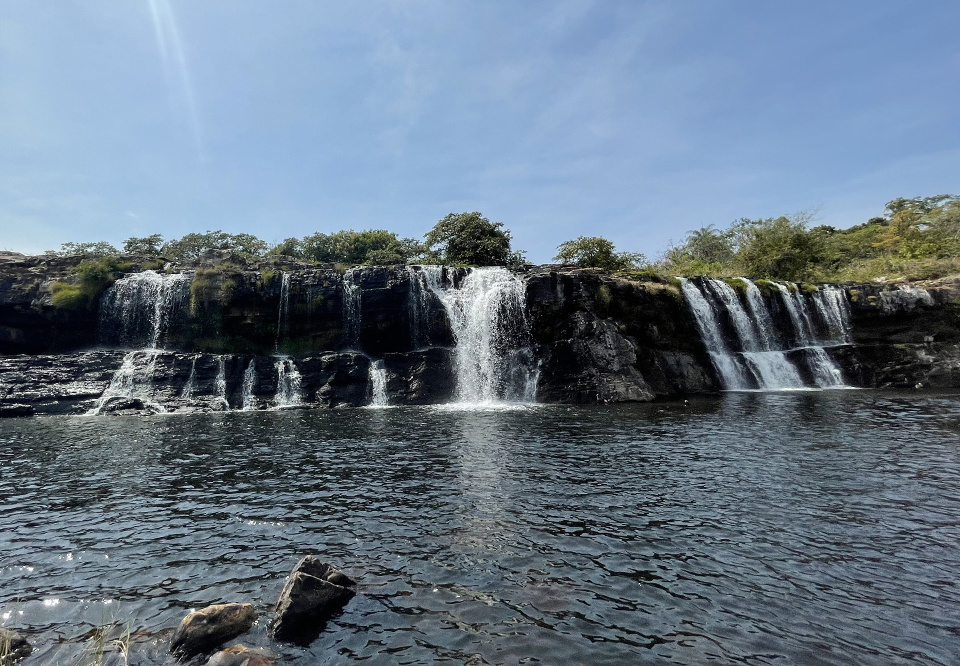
x,y
191,384
139,308
248,401
220,384
283,316
487,315
758,355
378,384
352,322
289,392
419,306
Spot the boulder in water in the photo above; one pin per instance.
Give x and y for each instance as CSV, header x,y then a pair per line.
x,y
207,628
13,647
241,655
314,591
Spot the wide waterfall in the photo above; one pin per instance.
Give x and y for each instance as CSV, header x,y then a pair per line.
x,y
748,348
139,309
487,313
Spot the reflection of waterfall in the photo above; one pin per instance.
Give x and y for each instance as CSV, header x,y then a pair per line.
x,y
378,384
289,393
750,351
352,323
139,308
248,400
488,318
283,316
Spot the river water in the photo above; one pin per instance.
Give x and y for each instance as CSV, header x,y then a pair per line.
x,y
780,528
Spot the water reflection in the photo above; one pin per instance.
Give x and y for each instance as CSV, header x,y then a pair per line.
x,y
749,528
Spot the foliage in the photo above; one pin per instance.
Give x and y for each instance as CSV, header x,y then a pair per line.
x,y
374,246
471,239
92,250
598,252
146,246
195,245
915,239
91,278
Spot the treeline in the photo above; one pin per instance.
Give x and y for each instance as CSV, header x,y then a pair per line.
x,y
915,239
457,239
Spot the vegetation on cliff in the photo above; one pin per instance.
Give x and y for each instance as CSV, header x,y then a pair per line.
x,y
916,238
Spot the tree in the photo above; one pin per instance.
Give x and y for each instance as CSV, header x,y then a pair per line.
x,y
373,246
147,246
777,248
98,249
470,238
194,245
598,252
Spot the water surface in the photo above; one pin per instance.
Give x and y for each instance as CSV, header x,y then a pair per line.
x,y
799,528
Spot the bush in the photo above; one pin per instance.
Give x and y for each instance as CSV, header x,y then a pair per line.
x,y
598,252
92,277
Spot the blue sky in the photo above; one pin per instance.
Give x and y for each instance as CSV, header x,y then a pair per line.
x,y
633,120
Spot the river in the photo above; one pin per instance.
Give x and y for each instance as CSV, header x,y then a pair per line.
x,y
762,528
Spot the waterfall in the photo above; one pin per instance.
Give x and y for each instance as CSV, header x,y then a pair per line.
x,y
221,383
378,384
352,321
283,316
289,392
191,384
488,318
139,308
757,355
248,401
129,381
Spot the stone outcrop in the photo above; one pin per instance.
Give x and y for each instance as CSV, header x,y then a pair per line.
x,y
13,647
313,593
241,655
595,337
208,628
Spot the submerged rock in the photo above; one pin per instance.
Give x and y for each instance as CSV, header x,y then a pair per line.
x,y
15,409
207,628
13,647
314,591
241,655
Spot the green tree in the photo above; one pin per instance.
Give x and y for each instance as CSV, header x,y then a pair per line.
x,y
598,252
775,247
146,246
470,238
290,247
92,250
194,245
373,246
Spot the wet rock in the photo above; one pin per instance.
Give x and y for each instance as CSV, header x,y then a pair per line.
x,y
241,655
14,646
207,628
15,409
314,591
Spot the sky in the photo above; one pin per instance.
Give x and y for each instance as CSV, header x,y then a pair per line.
x,y
636,121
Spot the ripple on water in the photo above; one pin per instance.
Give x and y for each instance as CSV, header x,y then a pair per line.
x,y
765,528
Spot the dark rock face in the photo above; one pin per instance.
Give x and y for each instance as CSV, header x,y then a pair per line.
x,y
312,594
606,339
207,628
238,327
14,646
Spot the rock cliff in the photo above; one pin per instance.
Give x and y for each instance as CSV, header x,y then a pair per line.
x,y
217,333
